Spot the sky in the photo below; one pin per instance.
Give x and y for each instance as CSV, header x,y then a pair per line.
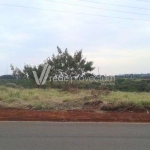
x,y
116,46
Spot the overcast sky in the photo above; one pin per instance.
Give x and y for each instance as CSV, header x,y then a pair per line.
x,y
116,46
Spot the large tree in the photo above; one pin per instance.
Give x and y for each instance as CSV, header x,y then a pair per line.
x,y
61,64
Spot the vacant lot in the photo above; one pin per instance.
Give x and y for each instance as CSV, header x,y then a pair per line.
x,y
57,99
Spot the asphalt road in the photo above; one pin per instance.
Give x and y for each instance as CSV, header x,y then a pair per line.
x,y
73,136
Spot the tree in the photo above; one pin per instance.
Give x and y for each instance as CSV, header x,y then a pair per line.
x,y
61,64
71,65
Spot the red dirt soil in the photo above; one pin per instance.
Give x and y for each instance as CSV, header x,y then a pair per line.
x,y
72,116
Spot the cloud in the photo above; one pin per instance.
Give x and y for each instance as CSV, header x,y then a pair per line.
x,y
29,36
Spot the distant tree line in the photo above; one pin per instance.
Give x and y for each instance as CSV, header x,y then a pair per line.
x,y
134,76
7,77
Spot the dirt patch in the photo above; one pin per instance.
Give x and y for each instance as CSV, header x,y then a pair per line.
x,y
93,105
111,107
99,105
75,116
96,93
73,90
116,108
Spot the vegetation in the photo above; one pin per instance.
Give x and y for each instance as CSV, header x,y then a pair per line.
x,y
133,85
6,77
37,98
127,85
19,90
54,99
128,99
62,63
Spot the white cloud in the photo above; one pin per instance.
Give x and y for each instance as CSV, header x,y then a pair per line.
x,y
116,46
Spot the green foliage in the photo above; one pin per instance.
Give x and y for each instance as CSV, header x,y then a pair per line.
x,y
71,65
127,85
6,77
62,62
132,85
18,83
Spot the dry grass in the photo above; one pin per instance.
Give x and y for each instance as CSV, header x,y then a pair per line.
x,y
37,98
52,99
128,99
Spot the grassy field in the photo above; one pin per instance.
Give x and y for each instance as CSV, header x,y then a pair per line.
x,y
56,99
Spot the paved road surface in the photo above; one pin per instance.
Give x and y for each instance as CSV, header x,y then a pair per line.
x,y
73,136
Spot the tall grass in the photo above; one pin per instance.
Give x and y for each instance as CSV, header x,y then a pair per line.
x,y
128,99
49,98
37,98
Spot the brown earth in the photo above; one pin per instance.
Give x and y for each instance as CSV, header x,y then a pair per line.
x,y
74,116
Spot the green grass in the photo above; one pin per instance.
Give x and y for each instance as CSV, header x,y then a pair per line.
x,y
53,99
133,99
37,98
